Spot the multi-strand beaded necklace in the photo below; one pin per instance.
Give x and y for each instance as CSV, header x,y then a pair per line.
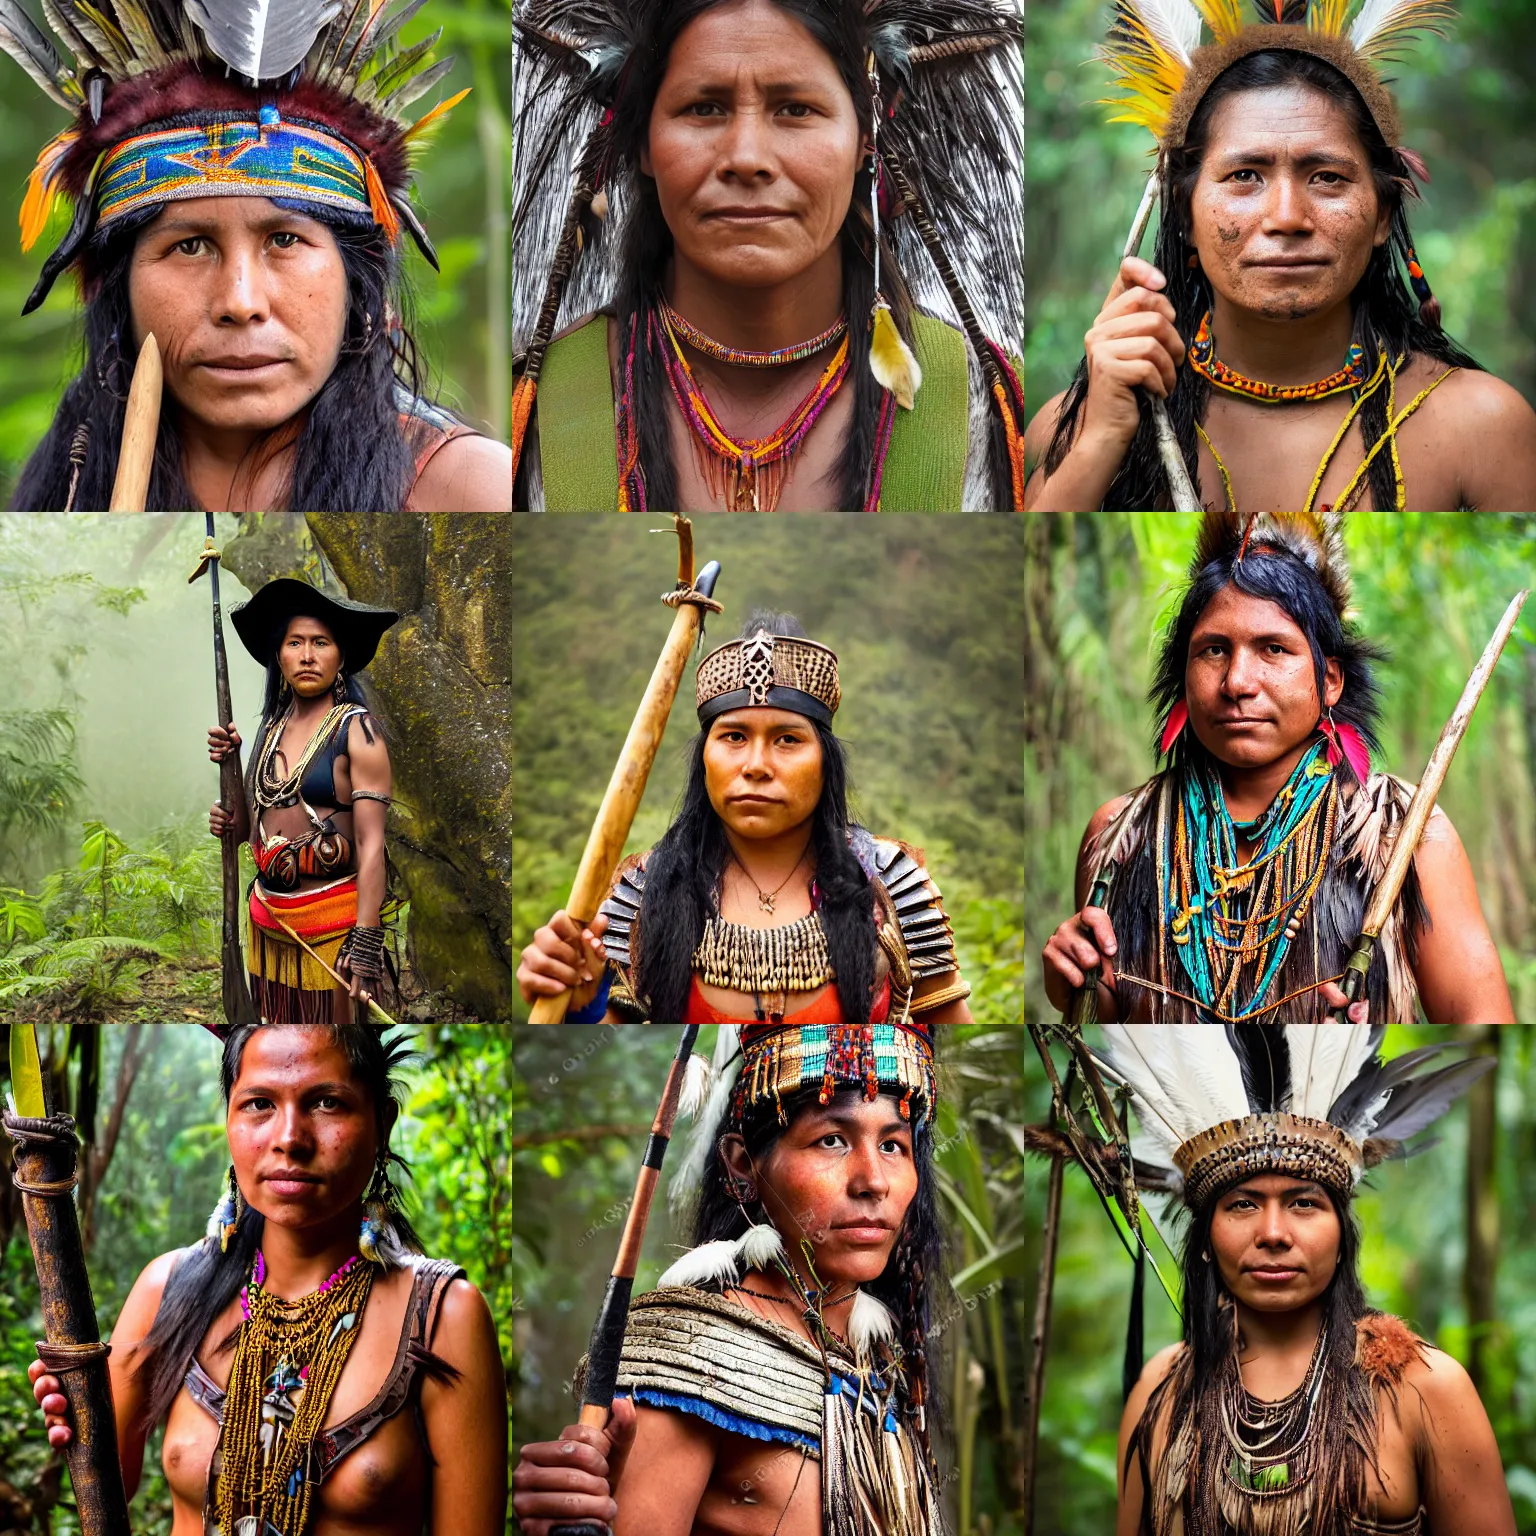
x,y
288,1361
1230,923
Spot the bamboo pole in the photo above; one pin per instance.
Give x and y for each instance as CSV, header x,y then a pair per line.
x,y
141,425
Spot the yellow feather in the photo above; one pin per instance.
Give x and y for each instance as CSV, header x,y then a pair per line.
x,y
1148,72
1328,16
891,360
42,188
440,110
1223,17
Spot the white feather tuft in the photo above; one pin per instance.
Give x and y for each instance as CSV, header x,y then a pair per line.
x,y
1325,1060
689,1176
759,1247
1174,23
869,1323
708,1264
1184,1080
1382,25
695,1086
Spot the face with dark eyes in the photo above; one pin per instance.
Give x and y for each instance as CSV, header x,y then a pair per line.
x,y
842,1175
1276,1241
1285,214
754,144
248,303
302,1130
762,770
1250,681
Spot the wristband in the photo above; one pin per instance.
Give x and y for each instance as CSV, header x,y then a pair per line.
x,y
594,1011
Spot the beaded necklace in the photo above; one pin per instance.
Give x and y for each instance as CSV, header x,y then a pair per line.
x,y
1203,359
288,1362
273,790
1232,923
740,356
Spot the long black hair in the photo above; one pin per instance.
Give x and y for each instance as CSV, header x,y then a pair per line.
x,y
352,454
648,247
205,1280
683,872
1346,1446
1387,317
915,1269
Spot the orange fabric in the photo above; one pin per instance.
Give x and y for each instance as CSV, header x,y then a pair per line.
x,y
1015,447
824,1009
311,914
522,413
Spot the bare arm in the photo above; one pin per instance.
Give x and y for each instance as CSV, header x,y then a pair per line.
x,y
1493,440
666,1474
1128,1519
466,1420
1461,1479
368,766
1460,977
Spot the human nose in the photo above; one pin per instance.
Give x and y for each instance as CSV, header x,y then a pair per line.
x,y
1274,1231
291,1130
242,296
1241,679
745,154
757,765
867,1173
1290,209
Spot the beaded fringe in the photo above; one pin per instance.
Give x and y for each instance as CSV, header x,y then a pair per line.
x,y
874,1481
793,958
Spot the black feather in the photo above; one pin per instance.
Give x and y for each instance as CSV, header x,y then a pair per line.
x,y
69,247
1264,1057
1423,1100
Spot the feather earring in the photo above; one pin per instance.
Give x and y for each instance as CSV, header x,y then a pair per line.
x,y
226,1214
1178,718
869,1322
891,360
1346,743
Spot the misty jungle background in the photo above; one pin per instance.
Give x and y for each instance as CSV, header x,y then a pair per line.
x,y
583,1101
1100,589
924,614
1448,1247
146,1098
461,322
109,882
1468,104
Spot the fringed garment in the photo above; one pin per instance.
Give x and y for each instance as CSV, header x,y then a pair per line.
x,y
692,1351
287,985
1358,848
1384,1349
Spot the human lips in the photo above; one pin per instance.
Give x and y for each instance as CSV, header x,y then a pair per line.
x,y
1273,1274
242,366
1289,263
291,1181
863,1231
751,800
747,214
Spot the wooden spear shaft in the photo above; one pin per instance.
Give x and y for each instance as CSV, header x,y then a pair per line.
x,y
605,842
1040,1337
141,425
1419,809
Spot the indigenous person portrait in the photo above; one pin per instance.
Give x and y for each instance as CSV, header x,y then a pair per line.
x,y
1280,347
243,216
1272,870
314,1372
768,255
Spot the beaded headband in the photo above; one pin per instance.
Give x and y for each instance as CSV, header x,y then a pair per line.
x,y
260,156
784,1059
1298,1145
773,671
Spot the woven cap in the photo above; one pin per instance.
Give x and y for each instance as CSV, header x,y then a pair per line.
x,y
769,671
782,1059
1270,1143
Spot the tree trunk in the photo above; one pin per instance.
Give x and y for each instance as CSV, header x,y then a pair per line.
x,y
137,1049
1482,1259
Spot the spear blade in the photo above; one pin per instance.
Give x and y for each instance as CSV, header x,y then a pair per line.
x,y
27,1073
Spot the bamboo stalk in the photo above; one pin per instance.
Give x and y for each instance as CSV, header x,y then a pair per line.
x,y
141,425
1040,1338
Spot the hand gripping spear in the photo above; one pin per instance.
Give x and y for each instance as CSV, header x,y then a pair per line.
x,y
46,1153
1391,883
238,1007
608,1331
605,842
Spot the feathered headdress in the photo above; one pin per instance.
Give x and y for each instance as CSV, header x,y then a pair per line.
x,y
949,80
178,99
1316,1101
1314,538
1155,51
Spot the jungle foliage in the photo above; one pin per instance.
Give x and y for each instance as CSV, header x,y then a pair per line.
x,y
924,614
1467,102
147,1101
583,1100
1101,588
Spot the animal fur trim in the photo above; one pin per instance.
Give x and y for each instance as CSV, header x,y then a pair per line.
x,y
1385,1346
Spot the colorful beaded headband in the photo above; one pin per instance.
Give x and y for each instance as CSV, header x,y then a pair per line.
x,y
241,157
778,1060
776,671
1269,1143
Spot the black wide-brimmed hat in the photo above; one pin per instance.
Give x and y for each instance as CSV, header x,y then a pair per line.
x,y
261,620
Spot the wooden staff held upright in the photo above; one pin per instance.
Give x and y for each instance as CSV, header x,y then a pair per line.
x,y
605,842
141,426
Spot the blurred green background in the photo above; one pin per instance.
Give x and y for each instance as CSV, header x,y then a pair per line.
x,y
583,1099
925,616
1101,587
461,194
147,1103
1448,1248
1468,107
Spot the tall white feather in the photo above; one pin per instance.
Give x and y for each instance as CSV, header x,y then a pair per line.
x,y
1174,23
695,1085
1325,1060
725,1069
1378,17
1185,1079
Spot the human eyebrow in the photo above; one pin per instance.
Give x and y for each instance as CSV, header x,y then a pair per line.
x,y
186,228
1233,159
835,1117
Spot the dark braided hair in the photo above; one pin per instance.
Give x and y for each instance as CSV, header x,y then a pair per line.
x,y
1387,317
914,1269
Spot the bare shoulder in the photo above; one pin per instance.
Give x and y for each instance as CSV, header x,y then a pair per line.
x,y
139,1310
1102,817
1153,1372
464,1322
1042,428
467,474
1469,398
1440,1383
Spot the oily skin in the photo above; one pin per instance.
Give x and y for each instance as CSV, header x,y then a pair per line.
x,y
221,281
